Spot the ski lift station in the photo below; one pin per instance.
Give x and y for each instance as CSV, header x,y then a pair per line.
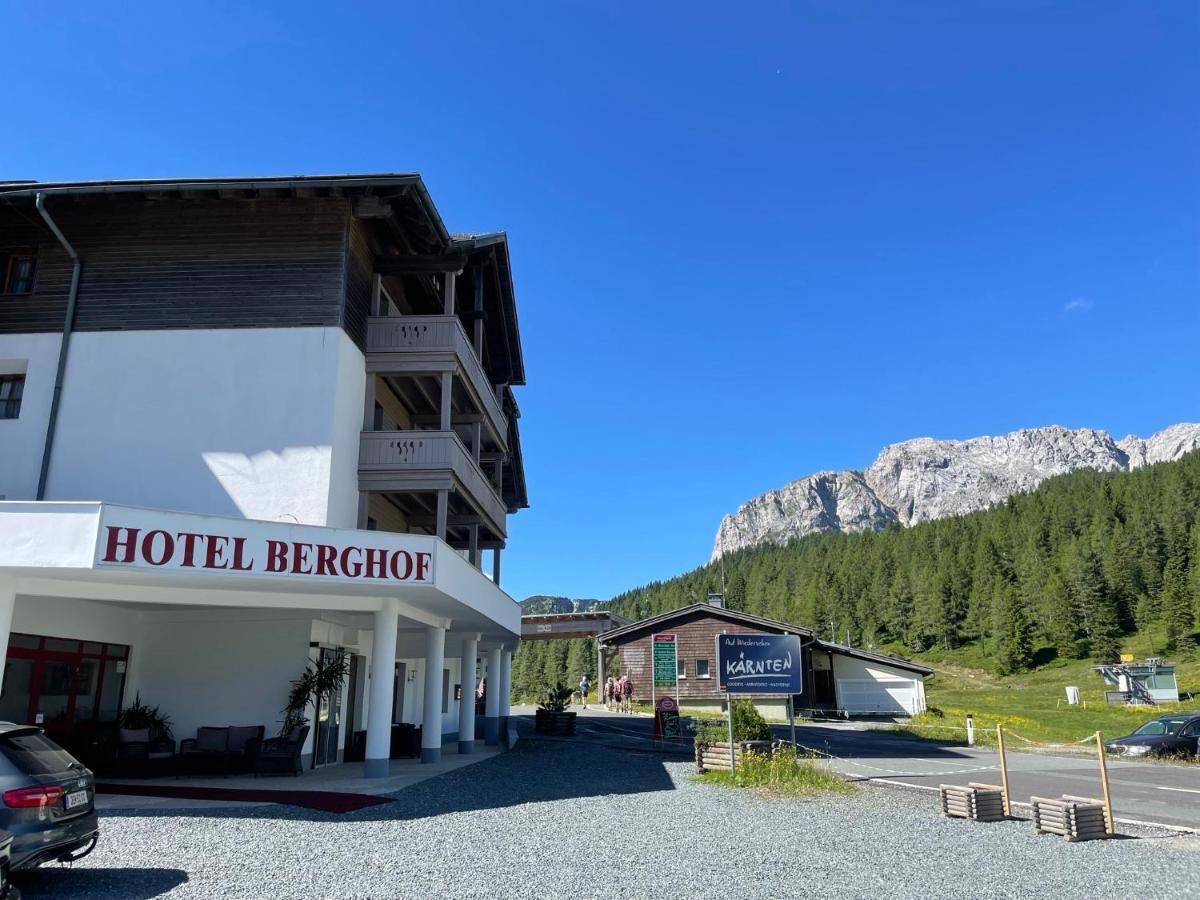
x,y
1151,681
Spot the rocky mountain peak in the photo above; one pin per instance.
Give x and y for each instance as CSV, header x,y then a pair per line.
x,y
924,479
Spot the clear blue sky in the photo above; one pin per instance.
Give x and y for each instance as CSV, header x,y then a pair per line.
x,y
750,241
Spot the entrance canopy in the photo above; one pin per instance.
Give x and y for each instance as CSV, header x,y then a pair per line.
x,y
101,551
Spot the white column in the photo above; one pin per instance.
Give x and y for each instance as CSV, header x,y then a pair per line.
x,y
466,706
506,685
491,710
379,694
431,714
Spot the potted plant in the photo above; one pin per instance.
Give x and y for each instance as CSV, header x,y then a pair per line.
x,y
141,717
317,681
552,717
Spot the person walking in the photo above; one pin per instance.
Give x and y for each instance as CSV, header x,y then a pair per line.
x,y
584,687
609,687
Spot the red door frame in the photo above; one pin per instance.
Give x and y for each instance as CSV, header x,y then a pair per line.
x,y
40,656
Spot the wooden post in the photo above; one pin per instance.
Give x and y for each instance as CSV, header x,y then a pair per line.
x,y
477,441
1108,815
446,399
729,708
477,273
1003,768
369,404
473,545
496,566
448,293
600,670
443,513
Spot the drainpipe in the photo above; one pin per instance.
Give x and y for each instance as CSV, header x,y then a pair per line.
x,y
68,324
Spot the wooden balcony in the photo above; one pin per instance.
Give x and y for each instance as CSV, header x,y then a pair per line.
x,y
398,345
419,461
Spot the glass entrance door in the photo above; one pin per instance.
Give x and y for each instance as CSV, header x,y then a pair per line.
x,y
60,683
329,714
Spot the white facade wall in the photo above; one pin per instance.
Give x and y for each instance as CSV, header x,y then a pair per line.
x,y
348,402
220,667
84,620
22,438
254,422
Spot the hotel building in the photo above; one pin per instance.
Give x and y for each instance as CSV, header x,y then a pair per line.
x,y
246,424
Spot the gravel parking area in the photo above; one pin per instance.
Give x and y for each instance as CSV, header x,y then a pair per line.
x,y
576,820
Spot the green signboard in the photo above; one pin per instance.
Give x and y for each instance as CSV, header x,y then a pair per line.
x,y
664,661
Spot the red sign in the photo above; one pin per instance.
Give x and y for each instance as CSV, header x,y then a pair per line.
x,y
170,549
666,719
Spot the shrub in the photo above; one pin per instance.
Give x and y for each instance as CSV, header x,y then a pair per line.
x,y
748,725
782,772
556,698
709,731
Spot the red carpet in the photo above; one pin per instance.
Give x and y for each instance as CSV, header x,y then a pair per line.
x,y
326,801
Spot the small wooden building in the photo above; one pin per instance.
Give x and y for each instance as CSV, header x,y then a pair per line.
x,y
838,680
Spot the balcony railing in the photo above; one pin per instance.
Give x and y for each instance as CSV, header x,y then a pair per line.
x,y
438,335
409,455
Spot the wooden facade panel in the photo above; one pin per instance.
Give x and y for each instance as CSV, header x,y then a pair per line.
x,y
183,264
696,638
360,262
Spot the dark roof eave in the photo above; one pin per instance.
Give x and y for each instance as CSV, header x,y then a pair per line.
x,y
881,658
485,245
732,614
17,190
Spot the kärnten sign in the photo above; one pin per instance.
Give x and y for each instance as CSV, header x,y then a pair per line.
x,y
759,664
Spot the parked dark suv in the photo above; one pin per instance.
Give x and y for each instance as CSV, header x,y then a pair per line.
x,y
48,799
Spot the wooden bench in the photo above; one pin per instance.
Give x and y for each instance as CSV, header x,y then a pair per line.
x,y
1075,818
981,802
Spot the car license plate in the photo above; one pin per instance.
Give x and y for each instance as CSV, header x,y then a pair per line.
x,y
77,798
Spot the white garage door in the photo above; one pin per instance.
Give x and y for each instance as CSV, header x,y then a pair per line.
x,y
866,696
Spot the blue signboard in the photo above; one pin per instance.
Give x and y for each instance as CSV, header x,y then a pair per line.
x,y
759,664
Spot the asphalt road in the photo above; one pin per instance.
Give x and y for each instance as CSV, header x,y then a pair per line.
x,y
1142,792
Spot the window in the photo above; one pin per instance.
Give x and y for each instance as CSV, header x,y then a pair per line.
x,y
702,668
681,668
17,268
11,389
36,754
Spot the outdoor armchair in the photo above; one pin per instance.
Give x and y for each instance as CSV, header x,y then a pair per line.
x,y
281,755
139,756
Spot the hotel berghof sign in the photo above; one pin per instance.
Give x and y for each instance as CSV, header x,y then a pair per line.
x,y
143,539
